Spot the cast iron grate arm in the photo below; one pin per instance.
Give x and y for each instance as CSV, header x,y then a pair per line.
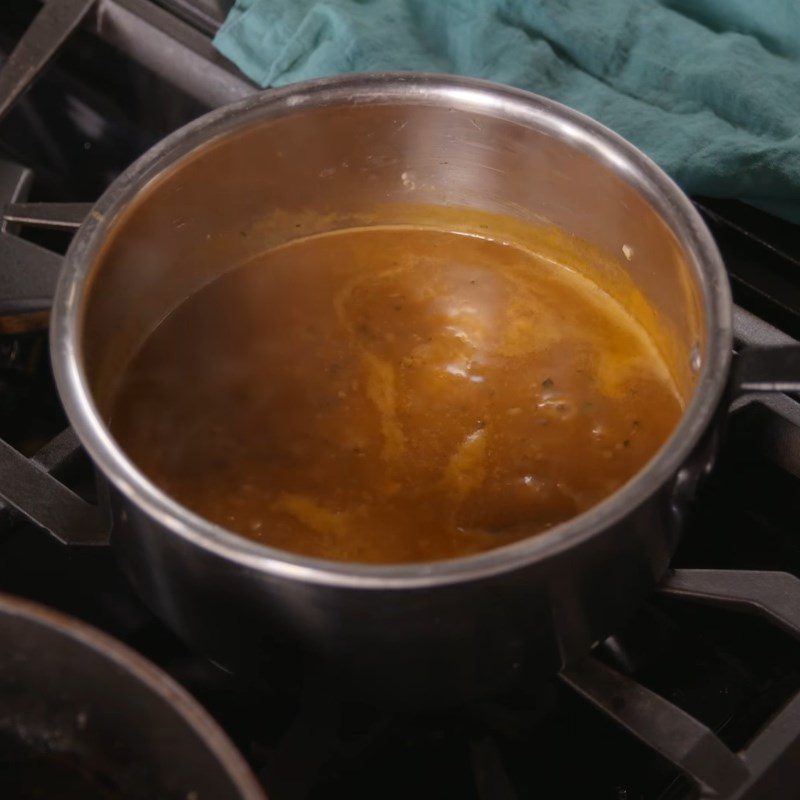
x,y
764,767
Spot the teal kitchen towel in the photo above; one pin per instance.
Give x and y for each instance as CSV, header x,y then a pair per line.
x,y
709,88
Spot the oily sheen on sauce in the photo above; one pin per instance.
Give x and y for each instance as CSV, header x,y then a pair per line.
x,y
391,395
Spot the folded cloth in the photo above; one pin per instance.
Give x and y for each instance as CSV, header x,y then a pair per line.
x,y
708,88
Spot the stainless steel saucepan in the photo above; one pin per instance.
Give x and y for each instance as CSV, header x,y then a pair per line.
x,y
320,155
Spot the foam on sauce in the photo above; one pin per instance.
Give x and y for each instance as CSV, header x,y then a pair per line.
x,y
396,394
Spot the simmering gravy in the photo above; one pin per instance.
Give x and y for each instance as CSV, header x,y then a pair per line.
x,y
394,395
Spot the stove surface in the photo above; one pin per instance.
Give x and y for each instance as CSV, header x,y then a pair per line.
x,y
713,657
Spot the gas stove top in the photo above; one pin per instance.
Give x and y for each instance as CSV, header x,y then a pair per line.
x,y
699,696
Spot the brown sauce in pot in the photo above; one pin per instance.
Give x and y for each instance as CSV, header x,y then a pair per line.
x,y
395,394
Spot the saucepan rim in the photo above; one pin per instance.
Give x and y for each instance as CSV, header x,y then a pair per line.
x,y
480,97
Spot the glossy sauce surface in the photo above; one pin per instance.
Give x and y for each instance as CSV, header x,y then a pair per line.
x,y
388,395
